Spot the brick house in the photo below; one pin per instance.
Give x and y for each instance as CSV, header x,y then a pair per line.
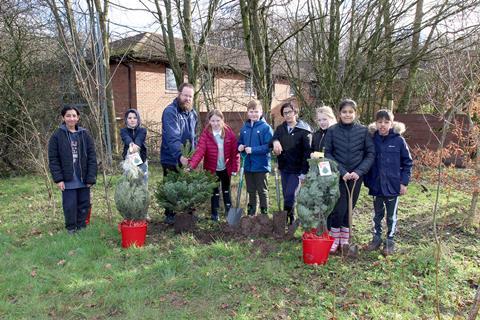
x,y
142,79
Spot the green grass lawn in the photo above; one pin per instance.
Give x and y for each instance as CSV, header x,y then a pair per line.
x,y
45,273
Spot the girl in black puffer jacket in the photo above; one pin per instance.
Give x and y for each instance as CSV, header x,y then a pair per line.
x,y
351,146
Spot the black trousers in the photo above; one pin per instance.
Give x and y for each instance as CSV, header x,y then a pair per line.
x,y
339,217
381,206
224,180
166,169
76,203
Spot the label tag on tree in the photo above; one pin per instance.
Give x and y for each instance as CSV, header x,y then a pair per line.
x,y
135,158
324,168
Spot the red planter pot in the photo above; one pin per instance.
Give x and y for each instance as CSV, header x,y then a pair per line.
x,y
316,248
133,233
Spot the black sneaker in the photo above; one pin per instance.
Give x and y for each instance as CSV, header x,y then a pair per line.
x,y
71,231
214,217
374,244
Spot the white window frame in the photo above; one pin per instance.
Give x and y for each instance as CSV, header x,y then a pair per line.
x,y
170,83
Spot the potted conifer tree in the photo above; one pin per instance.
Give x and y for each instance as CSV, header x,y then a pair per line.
x,y
132,200
183,193
315,202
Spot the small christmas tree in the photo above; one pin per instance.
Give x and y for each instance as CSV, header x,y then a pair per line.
x,y
182,192
131,194
319,193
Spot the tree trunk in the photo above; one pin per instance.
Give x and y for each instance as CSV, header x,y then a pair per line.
x,y
412,71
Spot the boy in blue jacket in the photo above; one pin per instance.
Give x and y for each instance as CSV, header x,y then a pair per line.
x,y
388,177
255,135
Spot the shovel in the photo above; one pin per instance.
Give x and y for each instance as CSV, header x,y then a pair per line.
x,y
352,248
234,214
279,217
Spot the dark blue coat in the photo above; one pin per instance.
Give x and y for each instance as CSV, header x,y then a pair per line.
x,y
177,127
393,163
136,135
257,137
60,158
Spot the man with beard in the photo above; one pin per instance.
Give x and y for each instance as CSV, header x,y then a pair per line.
x,y
179,122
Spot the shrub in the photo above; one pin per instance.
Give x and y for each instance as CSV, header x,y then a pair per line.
x,y
318,195
131,194
182,192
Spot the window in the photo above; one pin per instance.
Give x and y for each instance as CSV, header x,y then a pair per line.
x,y
249,89
291,90
170,83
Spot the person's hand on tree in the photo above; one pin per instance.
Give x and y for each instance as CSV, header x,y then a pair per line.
x,y
183,161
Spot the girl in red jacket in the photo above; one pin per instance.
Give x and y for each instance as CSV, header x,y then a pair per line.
x,y
217,147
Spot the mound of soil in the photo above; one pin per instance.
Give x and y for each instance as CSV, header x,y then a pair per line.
x,y
250,227
184,222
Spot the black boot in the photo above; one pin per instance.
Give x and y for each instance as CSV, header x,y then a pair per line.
x,y
263,210
290,217
251,210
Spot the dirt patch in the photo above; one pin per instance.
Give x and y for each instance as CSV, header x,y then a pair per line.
x,y
279,223
184,222
206,232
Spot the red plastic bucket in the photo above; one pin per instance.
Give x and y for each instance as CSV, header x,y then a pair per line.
x,y
316,248
87,221
133,233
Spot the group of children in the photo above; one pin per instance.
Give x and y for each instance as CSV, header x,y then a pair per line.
x,y
377,155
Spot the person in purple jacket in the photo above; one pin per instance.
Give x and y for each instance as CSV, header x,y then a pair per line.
x,y
388,177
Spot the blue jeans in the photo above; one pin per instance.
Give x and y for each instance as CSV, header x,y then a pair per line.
x,y
289,186
76,203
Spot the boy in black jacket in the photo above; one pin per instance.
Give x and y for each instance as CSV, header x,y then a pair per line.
x,y
389,176
73,165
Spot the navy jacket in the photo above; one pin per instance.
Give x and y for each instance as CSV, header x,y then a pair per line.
x,y
296,146
177,127
393,163
61,160
258,138
351,146
136,135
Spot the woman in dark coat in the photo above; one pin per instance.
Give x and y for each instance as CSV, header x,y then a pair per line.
x,y
73,165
